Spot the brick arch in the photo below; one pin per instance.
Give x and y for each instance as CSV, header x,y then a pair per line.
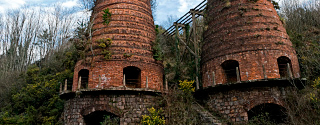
x,y
133,65
282,66
85,75
258,101
133,76
276,112
90,109
79,67
229,70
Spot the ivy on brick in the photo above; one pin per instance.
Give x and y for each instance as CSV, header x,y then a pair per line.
x,y
106,16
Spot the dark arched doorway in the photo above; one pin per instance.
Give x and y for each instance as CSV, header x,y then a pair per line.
x,y
285,67
132,77
270,112
84,77
101,118
231,70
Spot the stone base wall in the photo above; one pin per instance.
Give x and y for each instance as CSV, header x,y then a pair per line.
x,y
235,103
129,107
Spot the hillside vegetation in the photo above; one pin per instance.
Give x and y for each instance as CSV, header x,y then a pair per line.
x,y
29,87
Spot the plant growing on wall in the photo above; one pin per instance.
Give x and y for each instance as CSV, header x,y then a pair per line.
x,y
104,44
127,55
106,16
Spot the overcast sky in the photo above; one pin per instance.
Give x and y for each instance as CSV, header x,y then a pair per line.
x,y
165,8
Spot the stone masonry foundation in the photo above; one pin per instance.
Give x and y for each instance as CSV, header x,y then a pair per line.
x,y
128,105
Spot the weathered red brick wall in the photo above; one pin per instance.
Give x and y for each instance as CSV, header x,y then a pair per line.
x,y
111,74
248,32
132,31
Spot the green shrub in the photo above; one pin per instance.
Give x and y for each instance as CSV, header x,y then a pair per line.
x,y
110,121
154,118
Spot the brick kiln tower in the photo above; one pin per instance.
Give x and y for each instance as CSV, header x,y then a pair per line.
x,y
247,58
120,78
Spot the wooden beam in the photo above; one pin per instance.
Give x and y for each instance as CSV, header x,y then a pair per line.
x,y
197,12
190,50
194,28
213,79
124,80
264,72
99,85
238,74
289,70
66,85
79,83
146,81
179,24
60,87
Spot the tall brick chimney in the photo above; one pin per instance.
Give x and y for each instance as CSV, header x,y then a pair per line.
x,y
246,41
119,78
128,61
248,62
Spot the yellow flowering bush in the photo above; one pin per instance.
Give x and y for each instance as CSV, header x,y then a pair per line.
x,y
313,97
154,118
186,86
316,84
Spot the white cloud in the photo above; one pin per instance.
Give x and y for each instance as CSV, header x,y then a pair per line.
x,y
183,6
70,4
10,4
186,5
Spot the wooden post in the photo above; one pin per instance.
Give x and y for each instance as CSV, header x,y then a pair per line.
x,y
208,79
167,88
79,83
289,70
238,74
146,81
264,72
66,85
177,68
60,87
213,79
194,26
99,85
124,80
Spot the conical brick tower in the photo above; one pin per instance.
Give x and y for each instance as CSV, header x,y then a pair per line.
x,y
248,62
127,59
119,78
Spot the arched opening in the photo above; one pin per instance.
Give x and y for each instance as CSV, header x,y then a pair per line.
x,y
101,118
231,70
285,67
83,78
132,77
268,112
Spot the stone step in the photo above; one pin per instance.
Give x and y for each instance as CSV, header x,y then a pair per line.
x,y
207,116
